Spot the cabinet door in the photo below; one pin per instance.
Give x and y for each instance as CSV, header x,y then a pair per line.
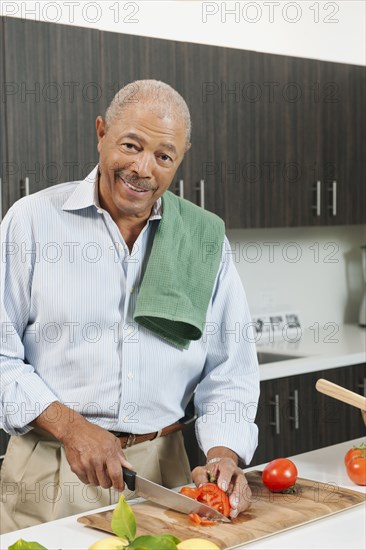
x,y
272,410
4,191
206,79
359,379
338,421
342,142
287,123
52,100
358,386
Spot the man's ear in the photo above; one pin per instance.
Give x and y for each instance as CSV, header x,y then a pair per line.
x,y
100,125
188,146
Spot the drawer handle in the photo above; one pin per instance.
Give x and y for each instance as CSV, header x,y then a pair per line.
x,y
276,421
318,205
333,206
201,189
295,417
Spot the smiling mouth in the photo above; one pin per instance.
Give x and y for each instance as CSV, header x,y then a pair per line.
x,y
135,188
138,189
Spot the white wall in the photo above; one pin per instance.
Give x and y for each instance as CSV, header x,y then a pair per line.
x,y
321,290
314,271
333,31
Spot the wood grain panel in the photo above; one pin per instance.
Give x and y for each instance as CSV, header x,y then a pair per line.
x,y
269,514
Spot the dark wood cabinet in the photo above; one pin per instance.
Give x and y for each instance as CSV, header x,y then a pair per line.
x,y
293,417
265,128
341,129
51,96
4,190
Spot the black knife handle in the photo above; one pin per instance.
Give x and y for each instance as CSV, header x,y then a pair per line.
x,y
129,477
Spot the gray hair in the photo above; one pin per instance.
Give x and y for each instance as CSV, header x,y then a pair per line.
x,y
157,95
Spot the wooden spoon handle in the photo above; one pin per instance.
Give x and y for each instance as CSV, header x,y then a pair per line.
x,y
342,394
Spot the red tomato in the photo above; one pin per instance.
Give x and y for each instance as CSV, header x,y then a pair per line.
x,y
191,492
215,497
279,475
195,518
355,461
201,520
210,494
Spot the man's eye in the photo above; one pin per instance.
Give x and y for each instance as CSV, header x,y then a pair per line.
x,y
165,157
129,145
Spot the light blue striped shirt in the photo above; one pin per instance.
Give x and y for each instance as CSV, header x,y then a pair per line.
x,y
69,287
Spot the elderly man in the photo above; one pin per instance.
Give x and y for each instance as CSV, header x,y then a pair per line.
x,y
119,302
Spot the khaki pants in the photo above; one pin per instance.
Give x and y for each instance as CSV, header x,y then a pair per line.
x,y
37,484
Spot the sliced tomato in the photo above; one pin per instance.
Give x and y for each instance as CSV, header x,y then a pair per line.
x,y
195,518
212,495
207,521
201,520
191,492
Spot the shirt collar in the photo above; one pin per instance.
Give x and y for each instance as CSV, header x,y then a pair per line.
x,y
86,195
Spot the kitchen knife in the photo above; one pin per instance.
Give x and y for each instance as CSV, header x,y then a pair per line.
x,y
168,498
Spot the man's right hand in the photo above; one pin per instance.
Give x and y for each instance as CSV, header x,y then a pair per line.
x,y
94,454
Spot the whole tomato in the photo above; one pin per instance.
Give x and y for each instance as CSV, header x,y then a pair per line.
x,y
280,475
355,461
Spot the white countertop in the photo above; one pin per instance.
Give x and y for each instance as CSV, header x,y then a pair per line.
x,y
344,530
320,348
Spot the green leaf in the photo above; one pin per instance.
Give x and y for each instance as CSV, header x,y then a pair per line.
x,y
158,542
123,520
289,491
24,545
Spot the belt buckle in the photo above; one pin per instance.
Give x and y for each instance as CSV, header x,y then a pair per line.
x,y
130,440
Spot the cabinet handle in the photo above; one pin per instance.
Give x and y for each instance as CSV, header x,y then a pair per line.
x,y
181,189
318,205
24,187
276,422
333,206
295,417
362,387
201,189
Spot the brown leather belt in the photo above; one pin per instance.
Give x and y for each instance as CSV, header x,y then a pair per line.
x,y
128,439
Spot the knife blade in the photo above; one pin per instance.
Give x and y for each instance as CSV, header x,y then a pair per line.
x,y
168,498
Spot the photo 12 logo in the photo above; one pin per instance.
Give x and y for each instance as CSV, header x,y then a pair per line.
x,y
269,12
71,12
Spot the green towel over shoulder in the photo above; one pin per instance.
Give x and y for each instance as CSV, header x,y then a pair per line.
x,y
180,274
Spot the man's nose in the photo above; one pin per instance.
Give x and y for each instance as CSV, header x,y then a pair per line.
x,y
144,165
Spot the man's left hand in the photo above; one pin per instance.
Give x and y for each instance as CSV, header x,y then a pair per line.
x,y
230,478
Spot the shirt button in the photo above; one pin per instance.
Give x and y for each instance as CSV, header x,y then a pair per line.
x,y
132,290
130,375
125,419
100,211
130,330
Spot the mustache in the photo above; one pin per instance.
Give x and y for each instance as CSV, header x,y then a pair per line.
x,y
134,180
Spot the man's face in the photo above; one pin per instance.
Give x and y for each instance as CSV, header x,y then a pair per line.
x,y
138,156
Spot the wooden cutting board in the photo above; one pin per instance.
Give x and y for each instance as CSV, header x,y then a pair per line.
x,y
269,513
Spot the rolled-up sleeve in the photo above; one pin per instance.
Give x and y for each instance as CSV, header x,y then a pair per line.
x,y
23,393
227,396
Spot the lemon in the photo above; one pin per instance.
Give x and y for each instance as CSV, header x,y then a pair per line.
x,y
197,544
109,543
